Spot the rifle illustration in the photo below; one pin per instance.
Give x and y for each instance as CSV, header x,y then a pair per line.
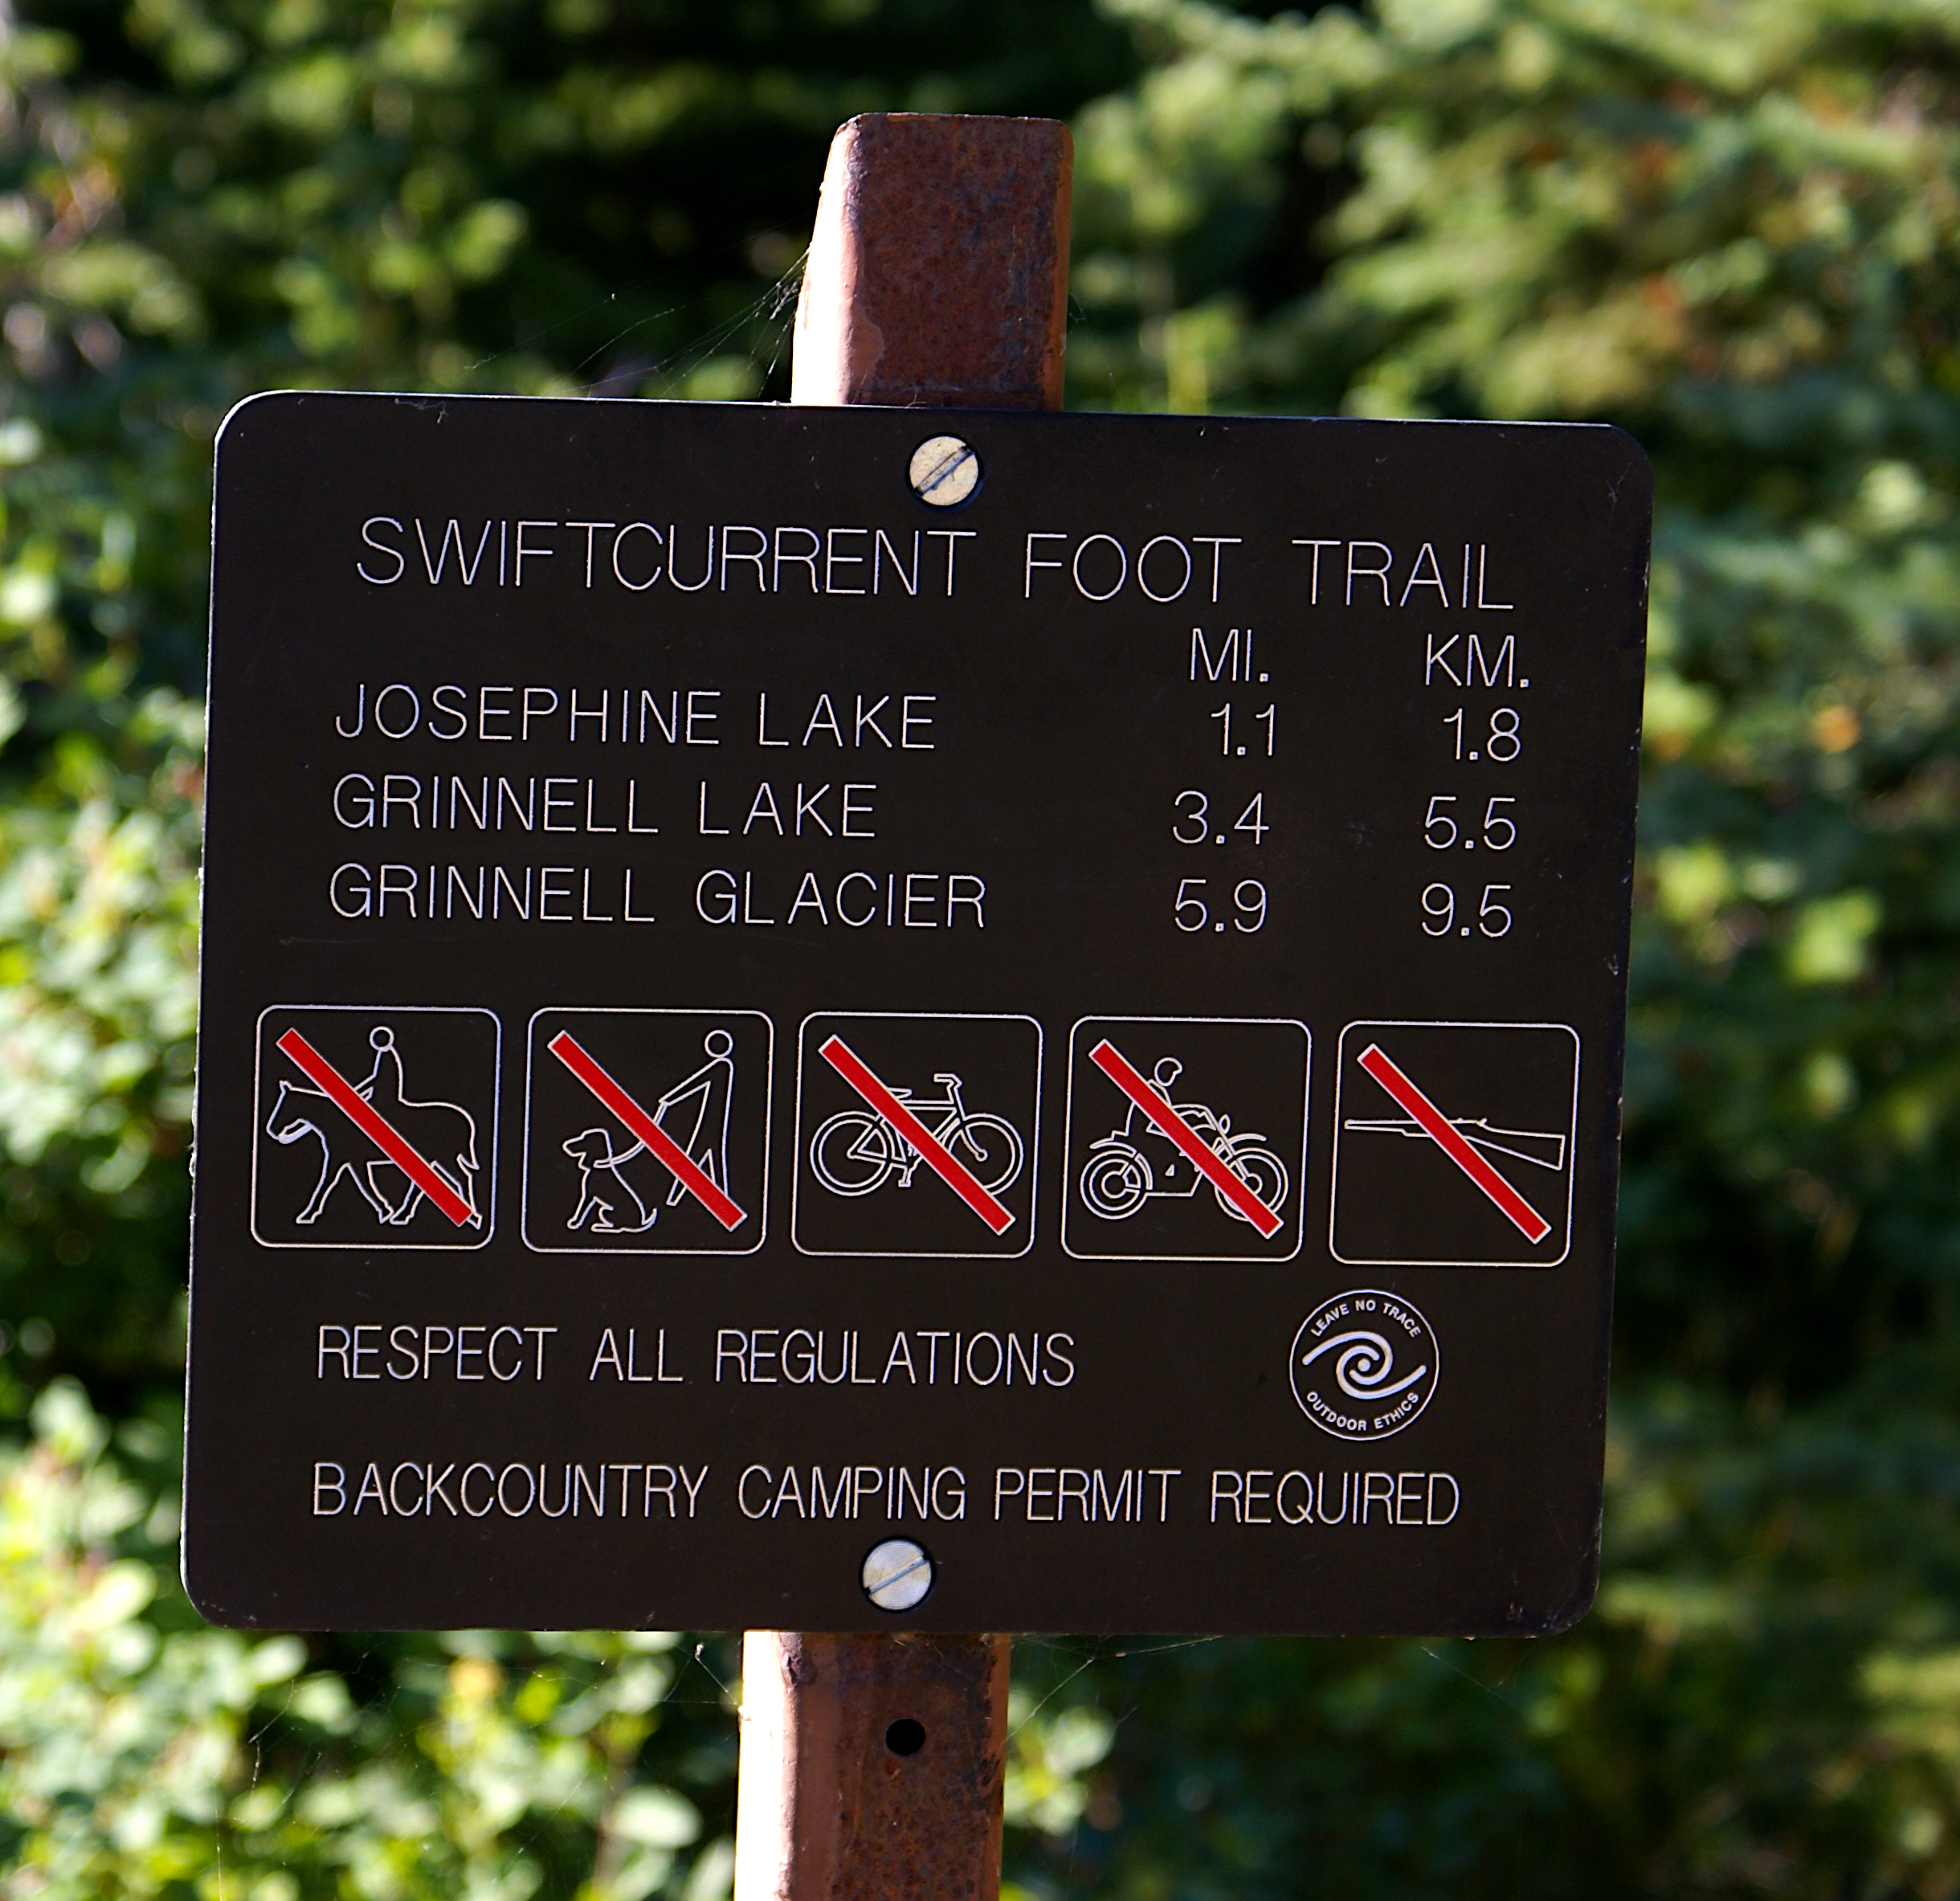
x,y
1537,1147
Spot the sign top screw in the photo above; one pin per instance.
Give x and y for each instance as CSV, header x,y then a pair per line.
x,y
944,471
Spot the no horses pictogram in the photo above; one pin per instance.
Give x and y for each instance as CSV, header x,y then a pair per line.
x,y
376,1128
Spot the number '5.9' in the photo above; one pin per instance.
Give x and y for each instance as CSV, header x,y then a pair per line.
x,y
1192,913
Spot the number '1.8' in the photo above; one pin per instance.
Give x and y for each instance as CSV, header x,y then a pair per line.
x,y
1504,742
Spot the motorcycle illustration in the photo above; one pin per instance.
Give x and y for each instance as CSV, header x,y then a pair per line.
x,y
857,1150
1118,1178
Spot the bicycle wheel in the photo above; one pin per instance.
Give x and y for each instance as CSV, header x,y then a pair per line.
x,y
993,1150
1115,1183
851,1153
1263,1172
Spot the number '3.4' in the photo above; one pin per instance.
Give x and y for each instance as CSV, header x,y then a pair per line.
x,y
1194,822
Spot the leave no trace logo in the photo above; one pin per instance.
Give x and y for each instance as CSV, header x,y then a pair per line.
x,y
1364,1364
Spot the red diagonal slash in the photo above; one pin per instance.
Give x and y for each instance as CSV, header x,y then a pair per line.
x,y
1109,1060
361,1112
668,1152
1436,1126
848,1065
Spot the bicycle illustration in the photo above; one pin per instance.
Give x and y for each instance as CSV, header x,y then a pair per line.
x,y
857,1150
1118,1178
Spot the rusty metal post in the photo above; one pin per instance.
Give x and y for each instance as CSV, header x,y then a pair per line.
x,y
871,1768
938,270
871,1764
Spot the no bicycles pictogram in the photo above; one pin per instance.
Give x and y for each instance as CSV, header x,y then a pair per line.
x,y
888,1166
854,1153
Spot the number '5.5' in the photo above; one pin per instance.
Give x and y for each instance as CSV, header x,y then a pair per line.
x,y
1439,828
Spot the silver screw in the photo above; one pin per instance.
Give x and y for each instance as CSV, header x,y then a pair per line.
x,y
944,471
897,1575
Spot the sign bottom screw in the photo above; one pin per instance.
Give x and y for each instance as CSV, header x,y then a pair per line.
x,y
896,1575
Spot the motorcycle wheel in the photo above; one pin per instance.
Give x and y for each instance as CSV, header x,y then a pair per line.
x,y
1115,1183
1263,1172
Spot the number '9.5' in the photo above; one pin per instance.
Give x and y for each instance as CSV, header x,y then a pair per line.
x,y
1493,917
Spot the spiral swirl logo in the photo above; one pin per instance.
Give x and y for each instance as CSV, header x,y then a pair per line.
x,y
1364,1364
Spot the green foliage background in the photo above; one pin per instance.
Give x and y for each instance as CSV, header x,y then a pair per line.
x,y
1733,226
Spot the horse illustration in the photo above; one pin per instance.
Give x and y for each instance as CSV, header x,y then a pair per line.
x,y
443,1133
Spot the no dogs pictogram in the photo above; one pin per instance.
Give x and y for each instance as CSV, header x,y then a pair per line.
x,y
646,1131
689,1173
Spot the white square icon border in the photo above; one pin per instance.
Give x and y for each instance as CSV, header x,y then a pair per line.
x,y
1571,1134
1299,1222
769,1105
1032,1146
496,1112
